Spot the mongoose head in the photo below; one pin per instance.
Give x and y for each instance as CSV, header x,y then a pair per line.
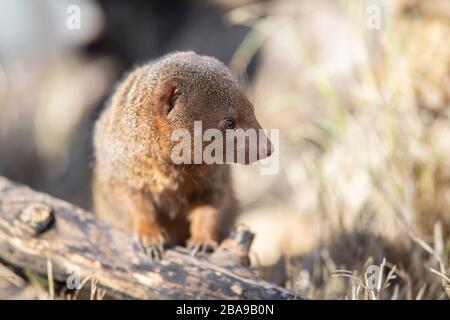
x,y
185,88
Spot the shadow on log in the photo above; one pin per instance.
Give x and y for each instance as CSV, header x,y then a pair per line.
x,y
36,228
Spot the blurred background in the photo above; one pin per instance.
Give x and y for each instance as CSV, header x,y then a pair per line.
x,y
360,91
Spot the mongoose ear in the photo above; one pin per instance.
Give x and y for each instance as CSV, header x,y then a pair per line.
x,y
170,93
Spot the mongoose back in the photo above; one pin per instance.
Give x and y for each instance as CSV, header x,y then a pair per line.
x,y
137,185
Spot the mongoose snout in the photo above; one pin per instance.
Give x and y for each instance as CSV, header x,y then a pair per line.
x,y
138,185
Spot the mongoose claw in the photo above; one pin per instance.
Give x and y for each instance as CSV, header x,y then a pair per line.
x,y
153,250
196,248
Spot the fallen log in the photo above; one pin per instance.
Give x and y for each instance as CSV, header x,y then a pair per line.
x,y
38,231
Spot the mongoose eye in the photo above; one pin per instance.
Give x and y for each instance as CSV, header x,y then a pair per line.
x,y
229,124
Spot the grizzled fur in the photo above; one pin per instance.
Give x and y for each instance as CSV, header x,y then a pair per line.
x,y
136,185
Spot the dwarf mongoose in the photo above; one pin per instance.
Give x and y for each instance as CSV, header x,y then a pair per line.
x,y
137,185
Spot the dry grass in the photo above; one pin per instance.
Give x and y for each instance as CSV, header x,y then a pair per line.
x,y
33,286
364,119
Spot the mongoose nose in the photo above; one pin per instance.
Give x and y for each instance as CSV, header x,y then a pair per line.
x,y
265,150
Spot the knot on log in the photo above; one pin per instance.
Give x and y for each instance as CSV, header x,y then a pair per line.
x,y
35,218
242,237
236,247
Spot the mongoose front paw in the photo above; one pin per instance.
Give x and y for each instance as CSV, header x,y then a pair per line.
x,y
152,246
201,247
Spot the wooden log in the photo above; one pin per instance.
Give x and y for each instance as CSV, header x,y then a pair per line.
x,y
37,230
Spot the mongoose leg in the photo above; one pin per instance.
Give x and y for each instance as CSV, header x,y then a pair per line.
x,y
204,222
150,237
143,221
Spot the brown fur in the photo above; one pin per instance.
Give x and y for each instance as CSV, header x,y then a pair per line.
x,y
136,185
